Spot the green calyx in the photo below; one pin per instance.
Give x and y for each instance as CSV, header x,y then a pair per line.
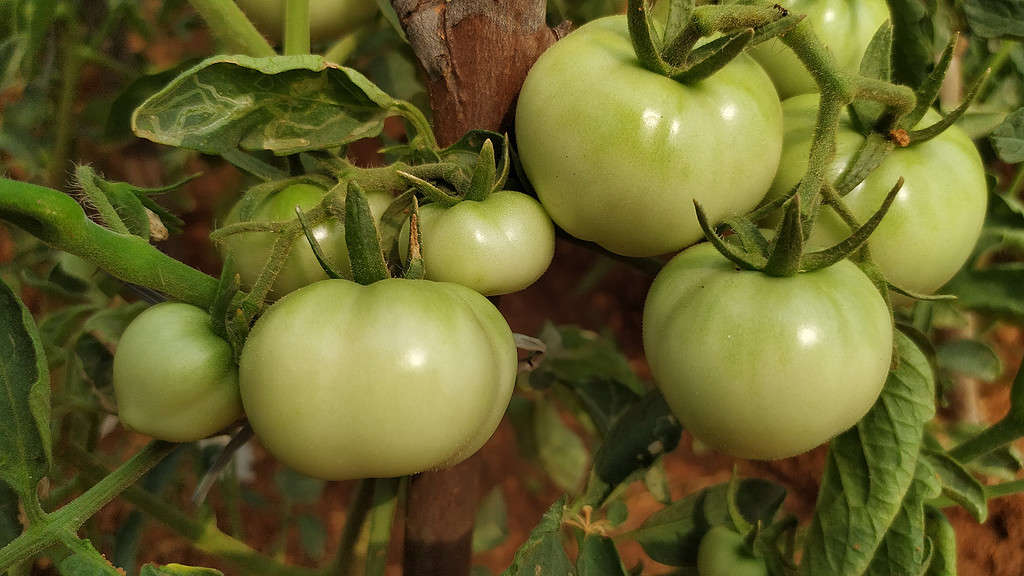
x,y
484,177
784,254
673,53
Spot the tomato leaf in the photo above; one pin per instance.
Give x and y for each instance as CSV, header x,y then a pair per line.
x,y
903,550
1008,138
542,553
599,557
673,534
645,431
491,525
870,469
995,18
958,484
560,450
943,538
10,527
656,481
995,290
25,442
283,104
312,535
969,357
912,40
177,570
85,560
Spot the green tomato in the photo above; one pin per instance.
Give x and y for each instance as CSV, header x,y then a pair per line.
x,y
328,19
722,552
764,367
617,153
937,216
251,250
846,27
497,246
174,378
344,381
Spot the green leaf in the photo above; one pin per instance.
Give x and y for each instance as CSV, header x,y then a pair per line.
x,y
599,557
971,358
995,18
1008,138
870,469
958,484
645,431
362,238
912,40
943,540
903,550
284,104
560,450
25,443
672,535
119,122
298,488
10,527
575,356
312,535
85,560
656,481
542,553
491,526
177,570
995,290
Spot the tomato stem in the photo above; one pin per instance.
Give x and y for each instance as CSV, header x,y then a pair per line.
x,y
296,27
230,25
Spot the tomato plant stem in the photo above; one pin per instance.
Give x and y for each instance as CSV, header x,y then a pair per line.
x,y
204,535
53,527
1004,489
355,517
58,220
66,104
229,24
296,27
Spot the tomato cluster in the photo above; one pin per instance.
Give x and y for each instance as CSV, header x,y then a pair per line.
x,y
341,380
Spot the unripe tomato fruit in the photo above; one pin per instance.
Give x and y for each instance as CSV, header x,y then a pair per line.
x,y
328,19
845,26
496,246
722,552
174,378
344,381
937,216
763,367
617,153
251,250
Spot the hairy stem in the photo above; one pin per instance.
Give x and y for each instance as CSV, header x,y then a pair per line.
x,y
58,220
230,25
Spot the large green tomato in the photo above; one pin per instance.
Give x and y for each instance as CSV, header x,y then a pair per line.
x,y
617,153
251,250
845,26
931,228
722,552
496,246
174,378
763,367
345,381
328,19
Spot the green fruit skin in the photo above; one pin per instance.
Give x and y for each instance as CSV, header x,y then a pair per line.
x,y
329,20
845,26
617,153
251,250
936,219
344,381
174,378
762,367
497,246
723,553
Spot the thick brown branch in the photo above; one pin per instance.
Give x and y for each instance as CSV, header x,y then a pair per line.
x,y
476,54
